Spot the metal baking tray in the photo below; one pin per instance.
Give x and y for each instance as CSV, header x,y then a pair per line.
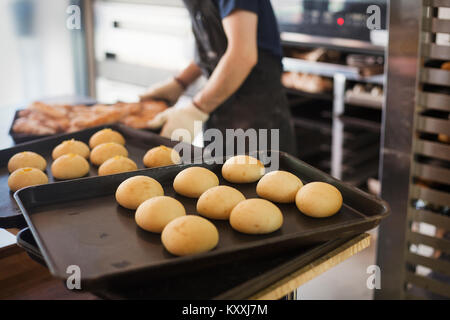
x,y
26,137
435,76
23,137
73,100
25,240
137,144
435,51
431,100
433,149
79,223
435,25
238,280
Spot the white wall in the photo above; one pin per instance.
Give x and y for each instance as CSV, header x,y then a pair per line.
x,y
37,66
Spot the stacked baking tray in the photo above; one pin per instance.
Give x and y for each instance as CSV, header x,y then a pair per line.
x,y
360,139
313,131
428,235
361,144
238,279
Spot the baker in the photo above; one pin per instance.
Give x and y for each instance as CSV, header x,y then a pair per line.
x,y
238,49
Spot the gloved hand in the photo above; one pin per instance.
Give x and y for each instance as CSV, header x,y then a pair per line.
x,y
169,91
178,118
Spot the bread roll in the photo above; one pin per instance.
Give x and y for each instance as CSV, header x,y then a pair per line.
x,y
242,169
443,138
135,190
319,200
155,213
26,159
193,181
105,136
71,146
256,216
25,177
70,166
217,202
161,156
106,151
117,164
189,235
279,186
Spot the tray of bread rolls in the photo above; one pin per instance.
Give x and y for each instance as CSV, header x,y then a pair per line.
x,y
101,150
126,229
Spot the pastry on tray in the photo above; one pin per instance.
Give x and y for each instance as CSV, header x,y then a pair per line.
x,y
46,119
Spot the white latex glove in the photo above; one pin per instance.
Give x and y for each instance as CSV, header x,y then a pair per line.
x,y
169,91
178,118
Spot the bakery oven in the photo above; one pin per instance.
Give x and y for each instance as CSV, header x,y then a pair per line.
x,y
329,20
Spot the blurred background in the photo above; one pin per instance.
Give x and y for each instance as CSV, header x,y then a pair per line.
x,y
37,56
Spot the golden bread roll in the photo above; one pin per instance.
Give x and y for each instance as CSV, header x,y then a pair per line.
x,y
71,146
161,156
242,169
193,181
70,166
189,235
25,177
135,190
446,66
279,186
26,159
256,216
217,202
319,200
106,151
105,136
155,213
443,138
117,164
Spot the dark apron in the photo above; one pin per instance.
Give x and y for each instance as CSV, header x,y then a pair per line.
x,y
260,102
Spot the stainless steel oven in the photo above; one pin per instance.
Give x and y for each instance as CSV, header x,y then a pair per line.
x,y
333,22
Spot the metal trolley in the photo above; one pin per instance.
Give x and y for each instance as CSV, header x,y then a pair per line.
x,y
414,247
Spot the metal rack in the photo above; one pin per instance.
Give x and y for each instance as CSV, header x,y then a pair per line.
x,y
342,139
428,275
414,243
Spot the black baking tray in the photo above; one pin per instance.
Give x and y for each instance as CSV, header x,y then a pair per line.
x,y
19,137
79,223
73,100
137,143
26,241
232,280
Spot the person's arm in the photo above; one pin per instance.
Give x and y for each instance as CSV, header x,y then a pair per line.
x,y
189,74
237,62
172,89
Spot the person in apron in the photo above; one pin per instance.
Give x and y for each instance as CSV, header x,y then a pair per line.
x,y
258,100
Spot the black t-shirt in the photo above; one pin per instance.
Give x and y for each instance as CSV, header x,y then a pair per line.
x,y
268,33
